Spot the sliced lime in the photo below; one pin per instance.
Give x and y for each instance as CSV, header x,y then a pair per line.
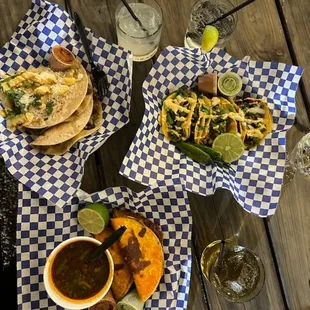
x,y
209,38
94,218
230,145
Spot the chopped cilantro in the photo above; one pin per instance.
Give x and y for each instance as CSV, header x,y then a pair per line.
x,y
15,95
36,102
28,84
49,107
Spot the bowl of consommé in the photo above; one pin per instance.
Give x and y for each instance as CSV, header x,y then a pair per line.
x,y
72,283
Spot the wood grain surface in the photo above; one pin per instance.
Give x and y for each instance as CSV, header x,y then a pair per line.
x,y
296,21
282,241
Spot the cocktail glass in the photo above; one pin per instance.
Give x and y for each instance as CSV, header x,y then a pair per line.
x,y
298,160
203,13
239,277
130,35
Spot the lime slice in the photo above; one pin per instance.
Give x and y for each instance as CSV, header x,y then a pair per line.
x,y
230,145
94,218
209,38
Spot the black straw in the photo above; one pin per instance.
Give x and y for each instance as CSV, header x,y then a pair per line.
x,y
219,261
134,16
234,10
106,244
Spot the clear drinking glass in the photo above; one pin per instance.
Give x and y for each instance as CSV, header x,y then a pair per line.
x,y
239,277
131,36
298,160
203,13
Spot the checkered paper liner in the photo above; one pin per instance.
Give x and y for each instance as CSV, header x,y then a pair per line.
x,y
256,182
41,227
57,178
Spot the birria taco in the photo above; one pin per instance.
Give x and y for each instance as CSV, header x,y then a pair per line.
x,y
257,121
122,279
41,97
143,253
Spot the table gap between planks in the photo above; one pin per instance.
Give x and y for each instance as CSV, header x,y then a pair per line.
x,y
282,240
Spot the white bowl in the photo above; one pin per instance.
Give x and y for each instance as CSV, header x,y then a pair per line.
x,y
57,296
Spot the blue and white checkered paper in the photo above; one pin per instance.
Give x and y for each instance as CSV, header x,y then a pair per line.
x,y
41,227
256,184
57,178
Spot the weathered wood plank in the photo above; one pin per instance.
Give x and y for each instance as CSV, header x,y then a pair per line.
x,y
296,21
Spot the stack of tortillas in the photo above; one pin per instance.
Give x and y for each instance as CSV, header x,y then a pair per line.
x,y
55,103
86,120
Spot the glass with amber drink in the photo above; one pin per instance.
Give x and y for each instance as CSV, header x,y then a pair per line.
x,y
239,276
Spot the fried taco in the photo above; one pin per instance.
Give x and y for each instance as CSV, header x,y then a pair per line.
x,y
92,126
223,118
143,253
67,129
40,97
126,213
122,280
257,123
176,115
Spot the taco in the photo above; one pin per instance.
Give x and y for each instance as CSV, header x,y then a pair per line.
x,y
92,126
40,97
176,115
257,122
122,279
68,129
201,120
126,213
223,118
143,254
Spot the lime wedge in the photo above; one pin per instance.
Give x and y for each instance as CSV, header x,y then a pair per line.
x,y
94,218
230,145
209,38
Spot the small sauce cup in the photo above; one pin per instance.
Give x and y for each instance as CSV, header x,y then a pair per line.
x,y
57,296
61,59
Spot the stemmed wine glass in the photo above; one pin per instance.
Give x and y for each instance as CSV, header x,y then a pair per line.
x,y
298,160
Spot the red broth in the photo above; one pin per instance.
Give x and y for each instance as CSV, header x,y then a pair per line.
x,y
73,277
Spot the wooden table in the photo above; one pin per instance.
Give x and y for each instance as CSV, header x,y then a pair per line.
x,y
276,30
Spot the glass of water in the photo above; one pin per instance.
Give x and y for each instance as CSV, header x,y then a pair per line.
x,y
143,44
298,160
240,275
203,13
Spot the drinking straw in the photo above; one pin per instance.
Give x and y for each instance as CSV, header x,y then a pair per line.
x,y
134,16
234,10
219,261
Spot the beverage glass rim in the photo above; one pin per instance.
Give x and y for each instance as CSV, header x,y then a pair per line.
x,y
234,15
141,38
231,246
